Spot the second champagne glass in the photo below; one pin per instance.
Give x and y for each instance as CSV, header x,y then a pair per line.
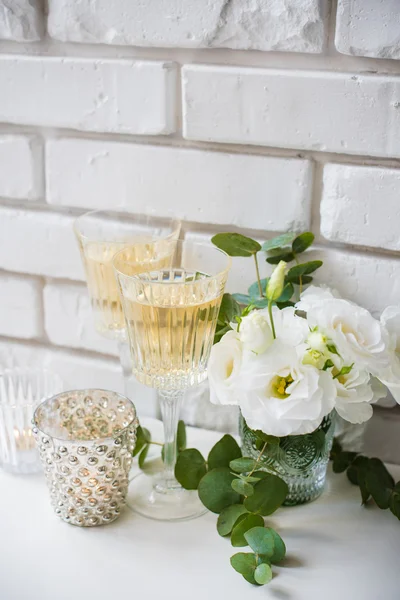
x,y
171,314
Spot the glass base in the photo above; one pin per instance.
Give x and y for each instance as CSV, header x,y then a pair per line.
x,y
150,498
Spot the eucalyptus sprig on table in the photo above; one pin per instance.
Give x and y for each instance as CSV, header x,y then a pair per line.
x,y
371,476
241,494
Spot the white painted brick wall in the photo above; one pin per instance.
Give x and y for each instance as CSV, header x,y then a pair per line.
x,y
39,243
20,306
119,96
20,167
239,189
247,24
305,134
368,28
335,112
21,20
361,205
69,319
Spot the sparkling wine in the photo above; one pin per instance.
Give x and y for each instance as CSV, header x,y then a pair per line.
x,y
171,326
102,283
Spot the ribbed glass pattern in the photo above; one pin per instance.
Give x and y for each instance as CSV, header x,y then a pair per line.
x,y
171,317
21,390
301,460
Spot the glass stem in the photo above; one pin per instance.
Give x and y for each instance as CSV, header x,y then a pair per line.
x,y
170,404
126,364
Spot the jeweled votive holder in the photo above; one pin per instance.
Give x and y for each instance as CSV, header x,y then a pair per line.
x,y
85,440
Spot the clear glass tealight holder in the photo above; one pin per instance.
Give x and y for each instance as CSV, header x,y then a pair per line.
x,y
21,390
85,439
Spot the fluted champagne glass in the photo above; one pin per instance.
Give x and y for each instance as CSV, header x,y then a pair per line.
x,y
103,233
171,314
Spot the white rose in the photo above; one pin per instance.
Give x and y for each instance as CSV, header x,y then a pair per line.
x,y
223,369
390,376
357,336
255,332
280,395
354,396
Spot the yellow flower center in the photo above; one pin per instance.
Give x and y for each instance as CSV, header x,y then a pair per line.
x,y
279,386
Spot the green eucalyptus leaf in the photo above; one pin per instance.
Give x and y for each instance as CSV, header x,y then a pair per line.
x,y
301,270
143,455
215,490
242,487
302,242
181,436
254,291
305,280
241,527
342,461
241,298
277,242
242,465
274,259
229,309
287,293
282,305
265,437
236,244
360,465
379,482
269,494
259,302
143,437
220,332
263,574
260,540
245,563
279,547
395,504
224,451
190,468
228,517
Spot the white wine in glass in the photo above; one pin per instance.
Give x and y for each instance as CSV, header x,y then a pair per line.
x,y
101,234
171,314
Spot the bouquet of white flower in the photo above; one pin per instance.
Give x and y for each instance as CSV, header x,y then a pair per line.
x,y
289,368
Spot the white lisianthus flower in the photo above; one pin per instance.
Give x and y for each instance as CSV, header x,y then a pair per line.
x,y
317,341
255,332
315,296
390,376
354,396
223,369
280,395
289,328
356,335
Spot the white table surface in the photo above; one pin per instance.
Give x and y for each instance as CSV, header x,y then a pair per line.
x,y
336,550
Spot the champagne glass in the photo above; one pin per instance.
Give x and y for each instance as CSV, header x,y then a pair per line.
x,y
103,233
171,314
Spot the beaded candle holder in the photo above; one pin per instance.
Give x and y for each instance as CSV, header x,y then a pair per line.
x,y
85,440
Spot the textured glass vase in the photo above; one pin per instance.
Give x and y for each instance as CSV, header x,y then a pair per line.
x,y
301,460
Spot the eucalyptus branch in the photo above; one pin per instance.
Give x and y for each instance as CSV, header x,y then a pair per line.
x,y
258,275
258,459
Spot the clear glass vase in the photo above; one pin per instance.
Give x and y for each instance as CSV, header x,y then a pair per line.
x,y
301,460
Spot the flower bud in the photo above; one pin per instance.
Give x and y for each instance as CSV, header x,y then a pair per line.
x,y
276,282
317,341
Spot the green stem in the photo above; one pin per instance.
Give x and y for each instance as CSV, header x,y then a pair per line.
x,y
258,276
271,318
258,459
